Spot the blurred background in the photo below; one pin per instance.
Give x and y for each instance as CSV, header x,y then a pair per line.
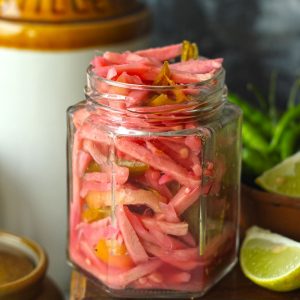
x,y
255,37
38,81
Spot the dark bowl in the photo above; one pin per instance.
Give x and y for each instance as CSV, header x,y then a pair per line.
x,y
280,214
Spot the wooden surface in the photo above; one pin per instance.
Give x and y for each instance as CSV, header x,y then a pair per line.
x,y
50,291
234,286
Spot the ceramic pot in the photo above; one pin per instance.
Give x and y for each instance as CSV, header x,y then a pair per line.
x,y
28,286
280,214
44,46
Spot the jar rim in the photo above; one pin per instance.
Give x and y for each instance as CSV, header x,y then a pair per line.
x,y
205,102
218,75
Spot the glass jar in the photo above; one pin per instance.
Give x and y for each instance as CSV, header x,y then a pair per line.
x,y
154,190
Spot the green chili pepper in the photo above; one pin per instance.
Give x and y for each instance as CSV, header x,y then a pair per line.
x,y
253,139
290,115
288,141
253,115
272,101
136,168
293,93
189,51
258,95
255,162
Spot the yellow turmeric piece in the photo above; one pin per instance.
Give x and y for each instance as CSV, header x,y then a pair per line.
x,y
161,99
90,215
164,79
93,167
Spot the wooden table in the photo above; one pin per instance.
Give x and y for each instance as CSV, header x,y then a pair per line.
x,y
234,286
50,291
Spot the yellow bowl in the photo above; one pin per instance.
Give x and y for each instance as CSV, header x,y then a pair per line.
x,y
280,214
29,285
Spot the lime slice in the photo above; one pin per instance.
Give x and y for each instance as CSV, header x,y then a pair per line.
x,y
284,178
271,260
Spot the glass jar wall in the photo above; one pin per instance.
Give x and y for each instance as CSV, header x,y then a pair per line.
x,y
154,190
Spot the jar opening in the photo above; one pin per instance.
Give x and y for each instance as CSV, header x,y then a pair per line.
x,y
218,76
152,106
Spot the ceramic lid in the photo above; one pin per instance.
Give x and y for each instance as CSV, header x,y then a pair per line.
x,y
71,24
65,10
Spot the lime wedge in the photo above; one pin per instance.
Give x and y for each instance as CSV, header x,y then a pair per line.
x,y
283,178
271,260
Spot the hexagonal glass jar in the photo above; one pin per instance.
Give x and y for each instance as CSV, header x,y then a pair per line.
x,y
154,190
